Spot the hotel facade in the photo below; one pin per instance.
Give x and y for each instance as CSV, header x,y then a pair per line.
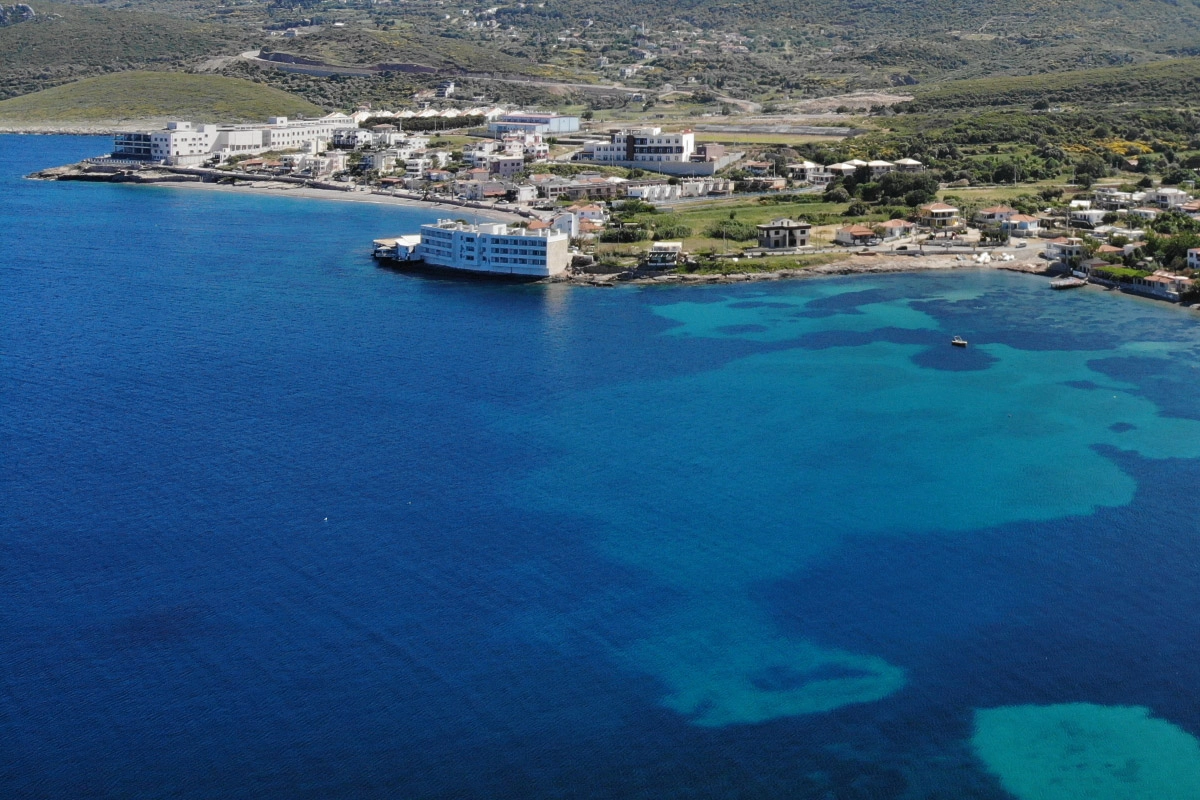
x,y
494,248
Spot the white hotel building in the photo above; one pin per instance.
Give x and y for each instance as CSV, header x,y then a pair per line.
x,y
494,248
183,143
643,144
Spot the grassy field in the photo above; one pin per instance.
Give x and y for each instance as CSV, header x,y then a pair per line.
x,y
785,139
154,95
701,216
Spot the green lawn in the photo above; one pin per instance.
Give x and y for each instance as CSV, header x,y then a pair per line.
x,y
827,217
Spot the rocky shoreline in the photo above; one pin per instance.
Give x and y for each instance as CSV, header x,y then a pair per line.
x,y
852,265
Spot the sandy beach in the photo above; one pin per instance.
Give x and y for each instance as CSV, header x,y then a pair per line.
x,y
276,189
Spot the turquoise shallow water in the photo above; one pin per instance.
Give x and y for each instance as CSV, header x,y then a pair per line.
x,y
279,523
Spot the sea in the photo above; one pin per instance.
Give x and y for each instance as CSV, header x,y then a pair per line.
x,y
278,522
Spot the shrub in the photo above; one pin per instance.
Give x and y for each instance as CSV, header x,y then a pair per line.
x,y
732,229
676,231
625,234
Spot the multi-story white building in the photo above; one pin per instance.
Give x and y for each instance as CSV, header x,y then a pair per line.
x,y
526,145
179,142
879,168
186,143
644,145
1168,197
494,248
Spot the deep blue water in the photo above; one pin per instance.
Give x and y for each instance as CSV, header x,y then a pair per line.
x,y
277,523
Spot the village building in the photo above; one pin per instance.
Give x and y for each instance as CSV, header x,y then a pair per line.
x,y
1021,225
1168,197
909,165
1087,217
803,171
663,255
994,215
709,151
880,168
940,216
856,235
590,211
897,229
1064,248
783,234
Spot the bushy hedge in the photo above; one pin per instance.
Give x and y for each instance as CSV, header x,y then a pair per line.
x,y
732,229
676,231
625,234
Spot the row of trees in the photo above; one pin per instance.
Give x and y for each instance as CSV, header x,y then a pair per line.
x,y
895,188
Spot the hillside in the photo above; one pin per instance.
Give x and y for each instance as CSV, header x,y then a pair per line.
x,y
1172,83
153,95
64,43
357,46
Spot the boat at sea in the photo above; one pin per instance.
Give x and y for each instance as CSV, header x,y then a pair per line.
x,y
489,249
1067,283
958,341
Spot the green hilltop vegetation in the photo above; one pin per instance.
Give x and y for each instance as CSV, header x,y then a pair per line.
x,y
1173,83
149,95
64,43
400,44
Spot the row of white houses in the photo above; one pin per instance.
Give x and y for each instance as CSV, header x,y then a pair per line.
x,y
820,175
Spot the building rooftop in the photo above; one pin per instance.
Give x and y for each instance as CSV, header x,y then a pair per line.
x,y
783,223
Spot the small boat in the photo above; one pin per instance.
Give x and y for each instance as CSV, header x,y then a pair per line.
x,y
1067,283
958,341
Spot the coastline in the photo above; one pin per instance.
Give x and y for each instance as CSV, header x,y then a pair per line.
x,y
851,265
94,128
214,180
273,189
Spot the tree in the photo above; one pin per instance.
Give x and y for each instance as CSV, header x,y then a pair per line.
x,y
1005,173
1091,166
915,187
870,192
